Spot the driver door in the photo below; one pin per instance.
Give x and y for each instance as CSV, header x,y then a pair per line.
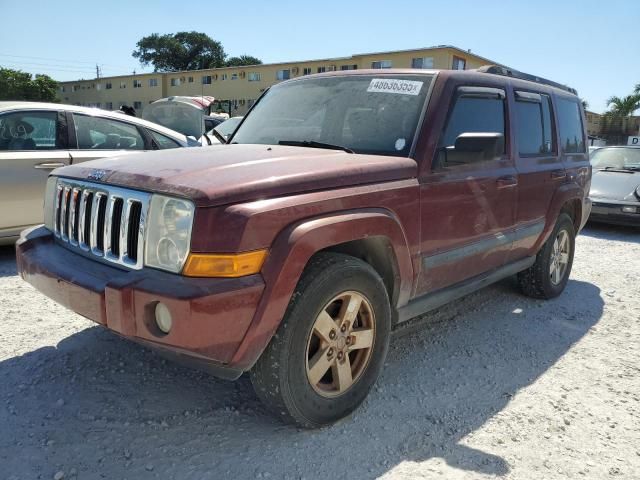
x,y
468,203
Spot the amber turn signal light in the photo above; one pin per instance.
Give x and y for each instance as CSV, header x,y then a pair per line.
x,y
224,265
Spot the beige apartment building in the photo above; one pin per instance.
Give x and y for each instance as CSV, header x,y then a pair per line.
x,y
241,86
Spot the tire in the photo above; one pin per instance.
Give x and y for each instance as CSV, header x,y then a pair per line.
x,y
282,377
539,281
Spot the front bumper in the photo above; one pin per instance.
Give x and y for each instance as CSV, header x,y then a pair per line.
x,y
210,316
610,211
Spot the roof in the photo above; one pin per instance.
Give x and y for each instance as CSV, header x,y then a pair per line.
x,y
22,105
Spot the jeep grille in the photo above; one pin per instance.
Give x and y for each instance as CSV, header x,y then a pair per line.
x,y
102,221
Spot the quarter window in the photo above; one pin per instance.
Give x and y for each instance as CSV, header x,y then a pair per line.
x,y
163,141
533,117
95,133
570,123
28,131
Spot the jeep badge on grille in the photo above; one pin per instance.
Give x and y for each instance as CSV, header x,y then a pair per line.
x,y
96,175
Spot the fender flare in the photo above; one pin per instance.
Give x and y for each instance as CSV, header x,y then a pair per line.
x,y
565,193
289,255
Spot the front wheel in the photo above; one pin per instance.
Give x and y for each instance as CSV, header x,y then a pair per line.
x,y
548,277
331,345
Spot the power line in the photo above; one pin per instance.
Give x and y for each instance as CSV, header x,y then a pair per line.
x,y
65,60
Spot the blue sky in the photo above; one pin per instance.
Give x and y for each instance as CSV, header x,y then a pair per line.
x,y
593,46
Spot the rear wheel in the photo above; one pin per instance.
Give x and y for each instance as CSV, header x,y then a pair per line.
x,y
548,277
331,345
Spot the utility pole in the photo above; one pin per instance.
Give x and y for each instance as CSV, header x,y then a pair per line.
x,y
97,71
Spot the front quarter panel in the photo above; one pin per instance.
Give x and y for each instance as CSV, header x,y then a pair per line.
x,y
290,254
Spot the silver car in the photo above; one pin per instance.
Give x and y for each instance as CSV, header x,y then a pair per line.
x,y
35,138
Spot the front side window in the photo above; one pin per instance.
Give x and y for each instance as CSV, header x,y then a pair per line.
x,y
471,113
533,116
364,113
162,141
570,123
382,64
20,131
95,133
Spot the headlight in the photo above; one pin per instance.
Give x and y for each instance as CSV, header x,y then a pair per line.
x,y
49,202
168,232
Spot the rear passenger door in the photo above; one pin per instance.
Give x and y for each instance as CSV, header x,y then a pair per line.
x,y
467,204
540,169
97,137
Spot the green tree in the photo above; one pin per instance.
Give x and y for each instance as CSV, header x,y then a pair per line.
x,y
18,85
243,60
179,51
623,107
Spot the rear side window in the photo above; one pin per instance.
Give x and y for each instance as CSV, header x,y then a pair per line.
x,y
20,131
163,141
95,133
570,123
533,116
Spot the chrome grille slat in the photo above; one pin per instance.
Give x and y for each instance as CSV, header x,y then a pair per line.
x,y
101,221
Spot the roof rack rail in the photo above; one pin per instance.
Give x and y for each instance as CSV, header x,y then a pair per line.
x,y
509,72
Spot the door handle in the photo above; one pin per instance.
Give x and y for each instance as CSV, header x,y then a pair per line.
x,y
507,181
558,174
49,165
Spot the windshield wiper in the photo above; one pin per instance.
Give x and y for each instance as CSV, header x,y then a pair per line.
x,y
313,144
621,169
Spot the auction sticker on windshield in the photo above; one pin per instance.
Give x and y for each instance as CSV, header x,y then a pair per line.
x,y
393,85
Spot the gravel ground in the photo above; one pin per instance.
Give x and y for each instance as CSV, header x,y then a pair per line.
x,y
496,385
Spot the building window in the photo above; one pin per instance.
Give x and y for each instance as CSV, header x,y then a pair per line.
x,y
123,84
108,86
108,105
322,69
424,62
76,88
253,77
175,82
137,105
223,77
190,80
348,67
381,64
153,82
62,88
458,63
234,76
306,71
137,84
283,74
206,79
98,105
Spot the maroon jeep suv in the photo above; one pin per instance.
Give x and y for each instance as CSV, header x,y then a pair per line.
x,y
344,205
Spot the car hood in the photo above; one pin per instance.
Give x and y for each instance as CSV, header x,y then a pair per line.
x,y
614,185
232,173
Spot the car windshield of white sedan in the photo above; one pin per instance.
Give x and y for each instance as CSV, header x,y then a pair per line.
x,y
374,114
616,159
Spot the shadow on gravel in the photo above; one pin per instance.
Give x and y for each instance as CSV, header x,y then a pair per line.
x,y
7,261
108,408
612,232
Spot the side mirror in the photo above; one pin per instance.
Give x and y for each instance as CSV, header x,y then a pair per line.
x,y
482,145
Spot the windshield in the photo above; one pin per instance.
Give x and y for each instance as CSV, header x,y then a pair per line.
x,y
616,158
227,127
375,114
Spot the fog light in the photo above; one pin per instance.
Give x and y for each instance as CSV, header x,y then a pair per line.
x,y
163,318
630,209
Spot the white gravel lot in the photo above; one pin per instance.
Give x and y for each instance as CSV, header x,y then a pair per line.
x,y
496,386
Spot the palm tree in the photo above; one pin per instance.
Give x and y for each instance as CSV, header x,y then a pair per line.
x,y
625,106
